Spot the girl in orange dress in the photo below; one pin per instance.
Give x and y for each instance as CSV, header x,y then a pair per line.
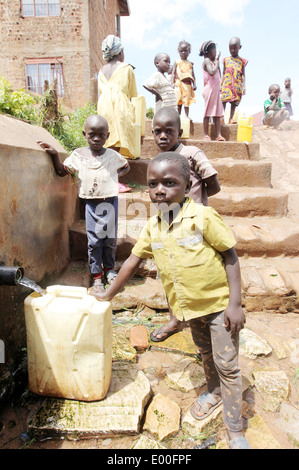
x,y
233,83
183,79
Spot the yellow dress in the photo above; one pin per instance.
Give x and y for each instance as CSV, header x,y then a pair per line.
x,y
116,106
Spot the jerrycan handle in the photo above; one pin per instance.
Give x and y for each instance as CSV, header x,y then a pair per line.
x,y
250,120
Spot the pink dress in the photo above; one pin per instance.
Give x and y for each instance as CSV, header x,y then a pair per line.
x,y
211,94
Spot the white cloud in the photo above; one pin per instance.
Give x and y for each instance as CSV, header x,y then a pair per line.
x,y
153,22
228,12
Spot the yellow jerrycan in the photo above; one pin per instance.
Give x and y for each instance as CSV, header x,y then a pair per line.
x,y
185,125
245,129
69,344
140,112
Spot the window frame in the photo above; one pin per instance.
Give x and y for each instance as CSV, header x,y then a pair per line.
x,y
46,60
39,16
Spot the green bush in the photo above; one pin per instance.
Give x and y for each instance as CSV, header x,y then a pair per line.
x,y
19,103
69,130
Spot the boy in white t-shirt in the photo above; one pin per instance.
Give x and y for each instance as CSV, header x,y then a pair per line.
x,y
159,84
98,170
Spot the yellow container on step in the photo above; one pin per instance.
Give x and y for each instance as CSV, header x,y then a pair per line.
x,y
185,125
245,129
139,104
69,344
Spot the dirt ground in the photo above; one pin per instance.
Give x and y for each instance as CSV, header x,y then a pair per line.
x,y
282,148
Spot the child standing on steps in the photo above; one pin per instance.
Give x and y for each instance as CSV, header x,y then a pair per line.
x,y
211,91
183,78
194,252
167,132
286,96
159,84
233,82
98,170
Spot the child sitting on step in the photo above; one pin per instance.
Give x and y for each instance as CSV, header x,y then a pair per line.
x,y
167,132
194,252
98,169
159,84
275,110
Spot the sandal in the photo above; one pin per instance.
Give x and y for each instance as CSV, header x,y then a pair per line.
x,y
221,139
98,284
202,404
110,276
207,137
166,334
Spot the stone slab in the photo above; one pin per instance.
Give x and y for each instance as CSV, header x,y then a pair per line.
x,y
117,414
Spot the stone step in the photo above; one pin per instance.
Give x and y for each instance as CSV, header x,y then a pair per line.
x,y
231,172
258,237
229,132
212,149
250,202
232,201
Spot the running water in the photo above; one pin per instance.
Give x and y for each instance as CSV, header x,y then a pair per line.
x,y
25,281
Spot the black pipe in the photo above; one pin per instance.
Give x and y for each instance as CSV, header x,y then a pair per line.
x,y
10,275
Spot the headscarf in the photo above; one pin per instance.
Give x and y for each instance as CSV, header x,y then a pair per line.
x,y
111,46
204,47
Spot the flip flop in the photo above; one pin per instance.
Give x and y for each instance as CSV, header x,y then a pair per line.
x,y
207,137
201,404
167,334
220,139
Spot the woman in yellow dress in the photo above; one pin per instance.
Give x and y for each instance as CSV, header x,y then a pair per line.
x,y
117,86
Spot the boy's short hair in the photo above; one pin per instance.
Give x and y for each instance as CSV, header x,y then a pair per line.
x,y
176,158
159,55
171,113
272,86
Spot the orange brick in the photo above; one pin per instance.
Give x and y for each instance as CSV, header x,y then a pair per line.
x,y
139,337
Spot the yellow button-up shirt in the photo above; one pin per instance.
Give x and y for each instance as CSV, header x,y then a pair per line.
x,y
187,255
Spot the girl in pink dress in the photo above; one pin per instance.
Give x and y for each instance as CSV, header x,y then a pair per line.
x,y
211,91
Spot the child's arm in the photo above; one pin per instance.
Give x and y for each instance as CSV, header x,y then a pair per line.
x,y
212,185
124,170
210,67
58,165
127,270
154,92
234,316
173,74
194,83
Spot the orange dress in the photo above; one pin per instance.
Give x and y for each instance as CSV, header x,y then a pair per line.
x,y
183,83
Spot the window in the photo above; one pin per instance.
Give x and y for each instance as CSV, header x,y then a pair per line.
x,y
40,72
40,8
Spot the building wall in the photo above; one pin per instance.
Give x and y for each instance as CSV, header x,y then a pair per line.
x,y
76,36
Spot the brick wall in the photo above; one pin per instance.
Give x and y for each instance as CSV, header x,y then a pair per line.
x,y
76,35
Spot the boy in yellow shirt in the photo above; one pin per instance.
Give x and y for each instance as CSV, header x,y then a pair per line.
x,y
194,252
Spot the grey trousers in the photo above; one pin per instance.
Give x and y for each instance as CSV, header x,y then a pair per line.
x,y
101,217
219,350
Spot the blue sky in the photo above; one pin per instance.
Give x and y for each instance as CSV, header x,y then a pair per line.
x,y
268,31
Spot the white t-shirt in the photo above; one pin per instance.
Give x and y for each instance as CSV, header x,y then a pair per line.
x,y
161,85
98,177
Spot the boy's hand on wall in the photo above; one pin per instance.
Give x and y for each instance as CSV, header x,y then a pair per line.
x,y
48,148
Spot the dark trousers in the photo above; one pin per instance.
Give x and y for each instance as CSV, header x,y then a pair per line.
x,y
219,350
101,217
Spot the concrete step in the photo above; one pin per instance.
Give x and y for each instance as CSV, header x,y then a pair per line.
x,y
258,237
212,149
229,132
231,172
232,201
